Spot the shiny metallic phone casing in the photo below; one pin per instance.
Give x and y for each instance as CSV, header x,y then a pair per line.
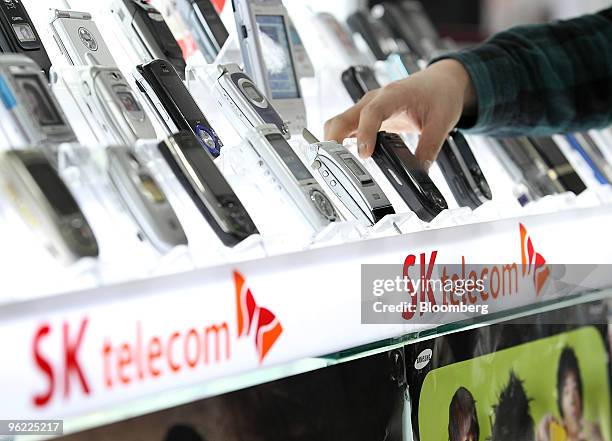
x,y
245,112
144,199
292,110
104,87
207,188
67,236
79,39
16,101
305,192
360,194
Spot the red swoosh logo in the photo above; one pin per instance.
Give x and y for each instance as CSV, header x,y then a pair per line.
x,y
253,318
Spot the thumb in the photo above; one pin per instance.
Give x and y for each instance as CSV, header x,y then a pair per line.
x,y
433,135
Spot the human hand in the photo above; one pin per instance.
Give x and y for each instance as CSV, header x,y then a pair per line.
x,y
430,102
543,430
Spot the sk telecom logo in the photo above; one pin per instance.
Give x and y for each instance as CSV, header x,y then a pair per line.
x,y
251,318
532,260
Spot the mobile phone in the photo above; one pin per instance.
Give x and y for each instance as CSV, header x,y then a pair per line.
x,y
462,172
148,32
174,105
248,106
395,19
46,204
106,96
456,159
18,34
402,65
534,169
207,188
418,19
377,39
412,183
288,170
349,181
206,26
359,80
269,58
34,114
79,39
558,163
588,148
144,200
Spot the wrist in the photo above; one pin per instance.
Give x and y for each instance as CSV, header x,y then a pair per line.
x,y
457,73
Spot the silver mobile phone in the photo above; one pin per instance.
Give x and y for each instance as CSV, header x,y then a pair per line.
x,y
106,95
349,181
269,57
47,205
79,39
248,107
34,115
293,176
144,199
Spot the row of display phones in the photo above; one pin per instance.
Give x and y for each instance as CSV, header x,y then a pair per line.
x,y
401,35
104,95
264,103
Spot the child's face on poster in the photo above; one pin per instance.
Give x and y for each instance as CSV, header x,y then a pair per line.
x,y
571,403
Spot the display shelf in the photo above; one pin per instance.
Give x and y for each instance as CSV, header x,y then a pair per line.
x,y
106,354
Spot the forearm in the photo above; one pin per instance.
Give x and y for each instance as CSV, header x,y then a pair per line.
x,y
541,79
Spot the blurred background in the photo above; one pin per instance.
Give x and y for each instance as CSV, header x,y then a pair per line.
x,y
469,21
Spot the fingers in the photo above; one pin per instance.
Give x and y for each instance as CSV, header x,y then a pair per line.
x,y
344,125
372,116
433,135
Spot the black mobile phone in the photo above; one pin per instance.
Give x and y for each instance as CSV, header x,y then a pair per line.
x,y
396,20
208,30
558,163
361,23
179,104
18,34
149,25
359,80
407,177
462,172
456,159
535,171
207,188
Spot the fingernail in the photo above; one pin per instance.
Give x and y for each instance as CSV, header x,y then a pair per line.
x,y
362,149
426,164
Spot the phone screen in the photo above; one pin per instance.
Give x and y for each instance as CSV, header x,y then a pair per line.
x,y
354,167
39,100
24,32
53,188
291,160
277,57
128,102
252,93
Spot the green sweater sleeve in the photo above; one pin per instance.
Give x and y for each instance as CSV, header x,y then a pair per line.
x,y
542,79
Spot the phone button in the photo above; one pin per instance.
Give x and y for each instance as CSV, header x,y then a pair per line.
x,y
245,33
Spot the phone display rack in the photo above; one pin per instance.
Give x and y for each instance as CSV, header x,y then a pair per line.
x,y
310,282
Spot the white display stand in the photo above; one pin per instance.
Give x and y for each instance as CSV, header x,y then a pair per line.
x,y
313,294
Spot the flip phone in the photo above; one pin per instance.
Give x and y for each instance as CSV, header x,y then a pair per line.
x,y
412,183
